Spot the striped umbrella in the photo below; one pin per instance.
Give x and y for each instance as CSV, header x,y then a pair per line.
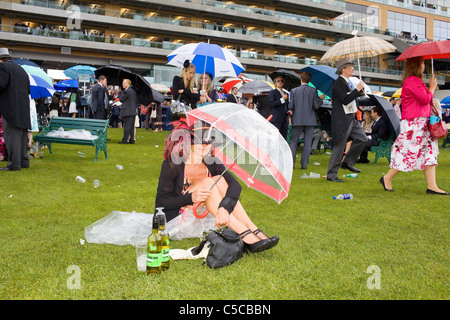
x,y
32,68
234,82
207,58
39,88
357,47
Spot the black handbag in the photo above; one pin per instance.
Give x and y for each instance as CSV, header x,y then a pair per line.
x,y
225,247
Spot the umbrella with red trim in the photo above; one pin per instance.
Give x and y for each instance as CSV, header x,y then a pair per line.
x,y
237,82
249,146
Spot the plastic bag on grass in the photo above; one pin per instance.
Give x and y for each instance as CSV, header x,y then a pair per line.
x,y
123,228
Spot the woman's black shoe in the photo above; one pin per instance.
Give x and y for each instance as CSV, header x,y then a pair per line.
x,y
429,191
258,246
273,239
382,182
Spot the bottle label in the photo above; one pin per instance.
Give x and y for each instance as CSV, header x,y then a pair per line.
x,y
153,260
346,196
165,254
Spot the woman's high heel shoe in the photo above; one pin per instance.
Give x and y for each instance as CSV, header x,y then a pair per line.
x,y
258,246
382,183
273,239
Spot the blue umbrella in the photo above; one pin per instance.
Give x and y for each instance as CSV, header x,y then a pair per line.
x,y
206,57
322,77
39,88
75,71
66,84
25,62
445,103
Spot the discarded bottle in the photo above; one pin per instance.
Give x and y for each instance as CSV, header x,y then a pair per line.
x,y
80,179
165,240
96,183
118,166
345,196
350,175
304,176
154,249
316,163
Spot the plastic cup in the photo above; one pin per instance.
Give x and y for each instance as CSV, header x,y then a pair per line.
x,y
314,175
141,257
80,179
96,183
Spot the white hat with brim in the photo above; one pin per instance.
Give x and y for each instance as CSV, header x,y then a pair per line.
x,y
4,53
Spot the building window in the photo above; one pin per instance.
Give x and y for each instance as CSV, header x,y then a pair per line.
x,y
441,30
360,16
407,26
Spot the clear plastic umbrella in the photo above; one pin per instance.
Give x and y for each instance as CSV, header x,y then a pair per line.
x,y
249,146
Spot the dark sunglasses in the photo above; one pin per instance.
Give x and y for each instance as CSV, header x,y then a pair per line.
x,y
280,80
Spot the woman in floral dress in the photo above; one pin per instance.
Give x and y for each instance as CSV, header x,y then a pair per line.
x,y
414,148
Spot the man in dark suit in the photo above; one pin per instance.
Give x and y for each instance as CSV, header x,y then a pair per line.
x,y
303,103
15,111
232,95
128,99
99,99
344,126
279,101
380,130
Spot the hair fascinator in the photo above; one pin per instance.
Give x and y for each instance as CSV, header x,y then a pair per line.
x,y
186,64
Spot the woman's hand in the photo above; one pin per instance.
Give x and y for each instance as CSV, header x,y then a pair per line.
x,y
433,83
222,218
200,195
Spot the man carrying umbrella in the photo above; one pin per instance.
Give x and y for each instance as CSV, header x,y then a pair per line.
x,y
344,126
128,111
15,111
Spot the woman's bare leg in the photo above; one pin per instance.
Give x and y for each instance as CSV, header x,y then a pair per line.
x,y
430,177
388,177
239,221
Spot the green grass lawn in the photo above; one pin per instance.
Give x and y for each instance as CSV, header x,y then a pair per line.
x,y
326,246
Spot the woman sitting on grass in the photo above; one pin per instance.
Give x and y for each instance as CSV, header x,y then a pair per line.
x,y
188,172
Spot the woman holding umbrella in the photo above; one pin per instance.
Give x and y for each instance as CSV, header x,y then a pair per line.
x,y
414,148
184,89
187,173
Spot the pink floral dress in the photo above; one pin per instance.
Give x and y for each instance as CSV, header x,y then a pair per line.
x,y
414,148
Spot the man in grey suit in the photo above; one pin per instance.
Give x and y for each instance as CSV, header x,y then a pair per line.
x,y
303,102
344,126
99,99
128,98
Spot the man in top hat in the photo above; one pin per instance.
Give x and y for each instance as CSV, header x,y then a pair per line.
x,y
344,126
15,111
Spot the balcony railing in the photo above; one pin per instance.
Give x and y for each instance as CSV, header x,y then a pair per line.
x,y
139,42
216,4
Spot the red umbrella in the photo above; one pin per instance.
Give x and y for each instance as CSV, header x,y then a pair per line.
x,y
234,82
427,50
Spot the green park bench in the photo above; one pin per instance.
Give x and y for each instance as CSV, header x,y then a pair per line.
x,y
383,149
95,127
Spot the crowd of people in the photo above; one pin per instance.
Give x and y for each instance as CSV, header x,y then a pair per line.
x,y
352,137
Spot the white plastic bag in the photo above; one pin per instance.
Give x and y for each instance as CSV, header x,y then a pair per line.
x,y
123,228
186,225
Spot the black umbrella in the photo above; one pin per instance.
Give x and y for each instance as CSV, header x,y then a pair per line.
x,y
291,79
157,96
115,75
388,110
389,93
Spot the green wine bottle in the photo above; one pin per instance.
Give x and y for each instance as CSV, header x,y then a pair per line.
x,y
154,249
165,239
